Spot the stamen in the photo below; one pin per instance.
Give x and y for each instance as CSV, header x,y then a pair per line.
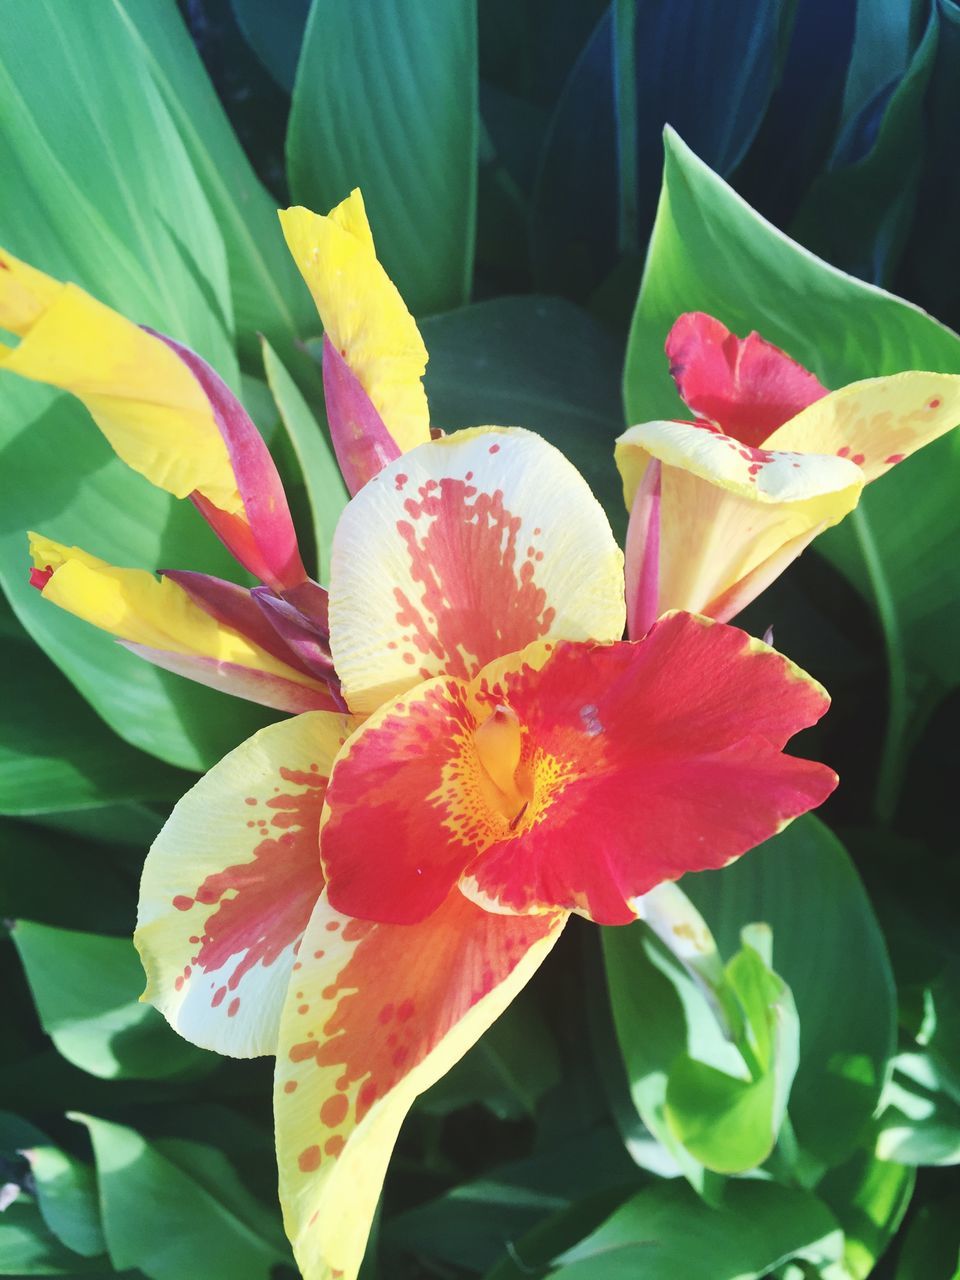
x,y
498,742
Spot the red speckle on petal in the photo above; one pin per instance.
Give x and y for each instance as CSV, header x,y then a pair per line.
x,y
859,459
182,903
935,403
401,480
318,955
309,1159
894,459
4,266
844,452
219,996
178,983
405,1011
332,926
494,448
303,1008
233,1006
40,577
290,1086
333,1146
334,1110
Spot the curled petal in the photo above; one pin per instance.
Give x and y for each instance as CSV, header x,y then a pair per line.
x,y
164,623
362,313
140,394
229,885
462,550
745,386
362,443
377,1014
642,555
726,508
876,423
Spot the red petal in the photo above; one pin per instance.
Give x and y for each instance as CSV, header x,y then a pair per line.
x,y
746,386
362,443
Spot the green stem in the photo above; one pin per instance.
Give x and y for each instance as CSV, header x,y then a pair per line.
x,y
889,776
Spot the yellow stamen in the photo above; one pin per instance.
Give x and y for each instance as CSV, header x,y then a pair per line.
x,y
498,743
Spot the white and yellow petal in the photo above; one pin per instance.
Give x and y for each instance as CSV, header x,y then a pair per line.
x,y
230,883
876,423
362,313
376,1015
465,549
727,509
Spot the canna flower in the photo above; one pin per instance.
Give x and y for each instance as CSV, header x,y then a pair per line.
x,y
722,504
362,889
506,759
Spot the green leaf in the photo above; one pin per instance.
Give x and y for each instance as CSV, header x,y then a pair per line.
x,y
56,754
869,1197
326,490
167,1222
67,1196
86,990
831,953
665,1232
113,204
386,99
930,1249
533,362
27,1247
530,1256
269,296
920,1123
275,35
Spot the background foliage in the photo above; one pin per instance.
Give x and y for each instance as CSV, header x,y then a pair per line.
x,y
511,157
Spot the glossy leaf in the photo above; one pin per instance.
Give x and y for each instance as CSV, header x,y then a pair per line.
x,y
86,989
385,99
665,1232
28,1248
67,1195
920,1123
55,752
533,362
165,1221
869,1197
842,985
66,881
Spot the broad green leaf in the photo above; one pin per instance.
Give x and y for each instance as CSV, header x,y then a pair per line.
x,y
56,754
470,1223
269,296
70,882
711,252
931,1248
385,99
920,1123
112,203
858,215
326,490
166,1222
869,1197
830,952
66,1192
27,1247
530,1255
86,990
534,362
665,1232
274,34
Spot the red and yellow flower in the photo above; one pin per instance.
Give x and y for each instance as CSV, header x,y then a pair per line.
x,y
722,504
362,888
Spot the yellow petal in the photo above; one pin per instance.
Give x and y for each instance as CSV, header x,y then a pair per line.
x,y
139,392
362,313
876,423
727,509
230,883
25,294
377,1014
463,550
137,607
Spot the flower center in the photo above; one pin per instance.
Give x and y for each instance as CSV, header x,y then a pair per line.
x,y
499,744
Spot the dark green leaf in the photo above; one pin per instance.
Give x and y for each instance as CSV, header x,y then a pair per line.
x,y
665,1232
532,362
27,1248
931,1250
920,1123
274,34
66,1192
386,99
869,1197
86,990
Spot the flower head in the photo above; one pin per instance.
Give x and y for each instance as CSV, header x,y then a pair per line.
x,y
722,504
